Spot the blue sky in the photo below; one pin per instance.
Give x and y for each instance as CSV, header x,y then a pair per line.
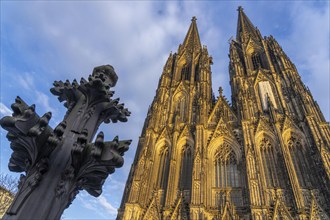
x,y
58,40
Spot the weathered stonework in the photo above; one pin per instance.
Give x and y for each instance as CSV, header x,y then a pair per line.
x,y
6,198
265,156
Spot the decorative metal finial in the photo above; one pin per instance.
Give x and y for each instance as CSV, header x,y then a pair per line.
x,y
194,19
240,8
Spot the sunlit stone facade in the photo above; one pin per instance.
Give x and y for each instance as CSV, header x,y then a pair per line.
x,y
264,156
6,198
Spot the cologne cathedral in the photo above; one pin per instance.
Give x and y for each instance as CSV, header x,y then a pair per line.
x,y
265,155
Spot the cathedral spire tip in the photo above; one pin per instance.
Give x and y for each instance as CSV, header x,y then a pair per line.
x,y
192,38
244,26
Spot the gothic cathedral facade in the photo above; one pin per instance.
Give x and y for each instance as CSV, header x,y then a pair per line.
x,y
264,156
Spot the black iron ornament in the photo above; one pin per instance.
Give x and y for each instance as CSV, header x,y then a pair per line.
x,y
60,162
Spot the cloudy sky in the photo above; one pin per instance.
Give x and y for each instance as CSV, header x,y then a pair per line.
x,y
57,40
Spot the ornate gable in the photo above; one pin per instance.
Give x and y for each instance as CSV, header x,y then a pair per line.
x,y
228,212
152,211
252,45
181,88
316,211
222,130
164,135
281,212
180,212
185,133
263,126
215,113
261,76
197,158
289,124
219,109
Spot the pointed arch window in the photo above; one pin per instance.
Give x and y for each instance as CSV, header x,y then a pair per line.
x,y
181,107
197,74
266,95
226,170
269,163
299,162
186,72
163,169
256,61
186,168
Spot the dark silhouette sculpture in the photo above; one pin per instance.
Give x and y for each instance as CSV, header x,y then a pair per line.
x,y
60,162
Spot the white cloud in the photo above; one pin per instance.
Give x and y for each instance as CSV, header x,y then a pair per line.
x,y
106,205
114,184
4,110
26,81
43,100
90,203
99,205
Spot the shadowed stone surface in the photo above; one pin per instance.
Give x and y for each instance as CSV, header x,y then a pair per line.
x,y
59,162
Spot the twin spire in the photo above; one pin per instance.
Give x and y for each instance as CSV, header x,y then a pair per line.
x,y
244,28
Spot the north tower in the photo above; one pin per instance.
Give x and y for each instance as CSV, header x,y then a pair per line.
x,y
264,156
